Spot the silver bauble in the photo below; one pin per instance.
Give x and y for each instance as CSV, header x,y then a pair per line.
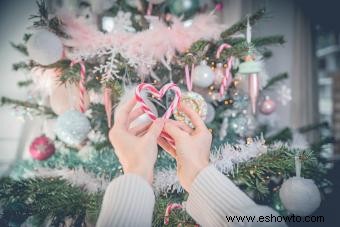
x,y
202,75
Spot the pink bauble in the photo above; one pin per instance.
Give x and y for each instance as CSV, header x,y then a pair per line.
x,y
268,106
66,97
42,148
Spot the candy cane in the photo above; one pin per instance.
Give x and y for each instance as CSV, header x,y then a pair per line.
x,y
227,76
82,88
159,94
169,208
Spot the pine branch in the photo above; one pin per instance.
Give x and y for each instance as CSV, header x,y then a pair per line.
x,y
39,109
268,40
21,48
276,79
242,25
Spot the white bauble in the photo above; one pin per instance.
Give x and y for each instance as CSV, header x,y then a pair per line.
x,y
45,47
219,74
72,127
202,75
210,113
66,97
300,196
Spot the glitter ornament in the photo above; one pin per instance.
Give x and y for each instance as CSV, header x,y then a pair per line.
x,y
300,196
42,148
45,47
72,127
210,113
196,102
203,76
268,106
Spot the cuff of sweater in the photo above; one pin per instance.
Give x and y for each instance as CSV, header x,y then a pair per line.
x,y
211,191
127,196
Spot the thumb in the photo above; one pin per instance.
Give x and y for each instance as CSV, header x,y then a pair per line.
x,y
156,128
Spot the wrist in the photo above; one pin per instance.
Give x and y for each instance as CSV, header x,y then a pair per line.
x,y
145,173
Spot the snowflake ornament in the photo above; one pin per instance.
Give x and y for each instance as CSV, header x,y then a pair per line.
x,y
284,95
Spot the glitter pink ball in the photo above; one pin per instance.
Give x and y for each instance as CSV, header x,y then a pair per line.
x,y
42,148
268,106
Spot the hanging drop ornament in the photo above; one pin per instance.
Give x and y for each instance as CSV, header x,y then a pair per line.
x,y
268,106
298,195
108,105
251,68
227,78
202,75
191,99
41,148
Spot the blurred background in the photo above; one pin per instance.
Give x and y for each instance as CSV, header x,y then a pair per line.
x,y
311,56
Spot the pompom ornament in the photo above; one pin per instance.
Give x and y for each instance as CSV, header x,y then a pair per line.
x,y
194,101
45,47
202,75
298,195
41,148
268,106
72,127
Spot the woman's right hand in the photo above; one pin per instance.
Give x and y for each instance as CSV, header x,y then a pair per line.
x,y
192,146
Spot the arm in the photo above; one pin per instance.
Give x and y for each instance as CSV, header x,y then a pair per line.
x,y
213,197
128,201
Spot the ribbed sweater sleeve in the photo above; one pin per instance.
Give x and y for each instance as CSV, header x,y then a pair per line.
x,y
213,197
128,201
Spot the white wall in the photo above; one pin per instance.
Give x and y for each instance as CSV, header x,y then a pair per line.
x,y
13,24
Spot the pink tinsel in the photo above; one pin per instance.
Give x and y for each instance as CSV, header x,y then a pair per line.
x,y
158,43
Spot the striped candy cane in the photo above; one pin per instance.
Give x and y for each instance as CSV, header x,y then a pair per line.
x,y
169,208
82,88
158,95
227,79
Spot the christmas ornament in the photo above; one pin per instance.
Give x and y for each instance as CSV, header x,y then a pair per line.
x,y
72,127
108,105
227,78
41,148
268,106
179,7
202,75
82,83
196,102
251,68
66,97
219,74
169,208
45,47
144,118
210,113
158,95
300,196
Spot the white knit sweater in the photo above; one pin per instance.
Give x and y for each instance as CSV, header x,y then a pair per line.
x,y
129,201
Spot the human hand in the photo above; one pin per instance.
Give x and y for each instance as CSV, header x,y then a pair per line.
x,y
192,146
136,148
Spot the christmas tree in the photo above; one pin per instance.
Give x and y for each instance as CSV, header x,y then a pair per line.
x,y
85,58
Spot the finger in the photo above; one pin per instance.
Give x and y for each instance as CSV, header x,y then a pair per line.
x,y
122,112
139,129
135,113
166,146
182,126
156,128
174,131
194,117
